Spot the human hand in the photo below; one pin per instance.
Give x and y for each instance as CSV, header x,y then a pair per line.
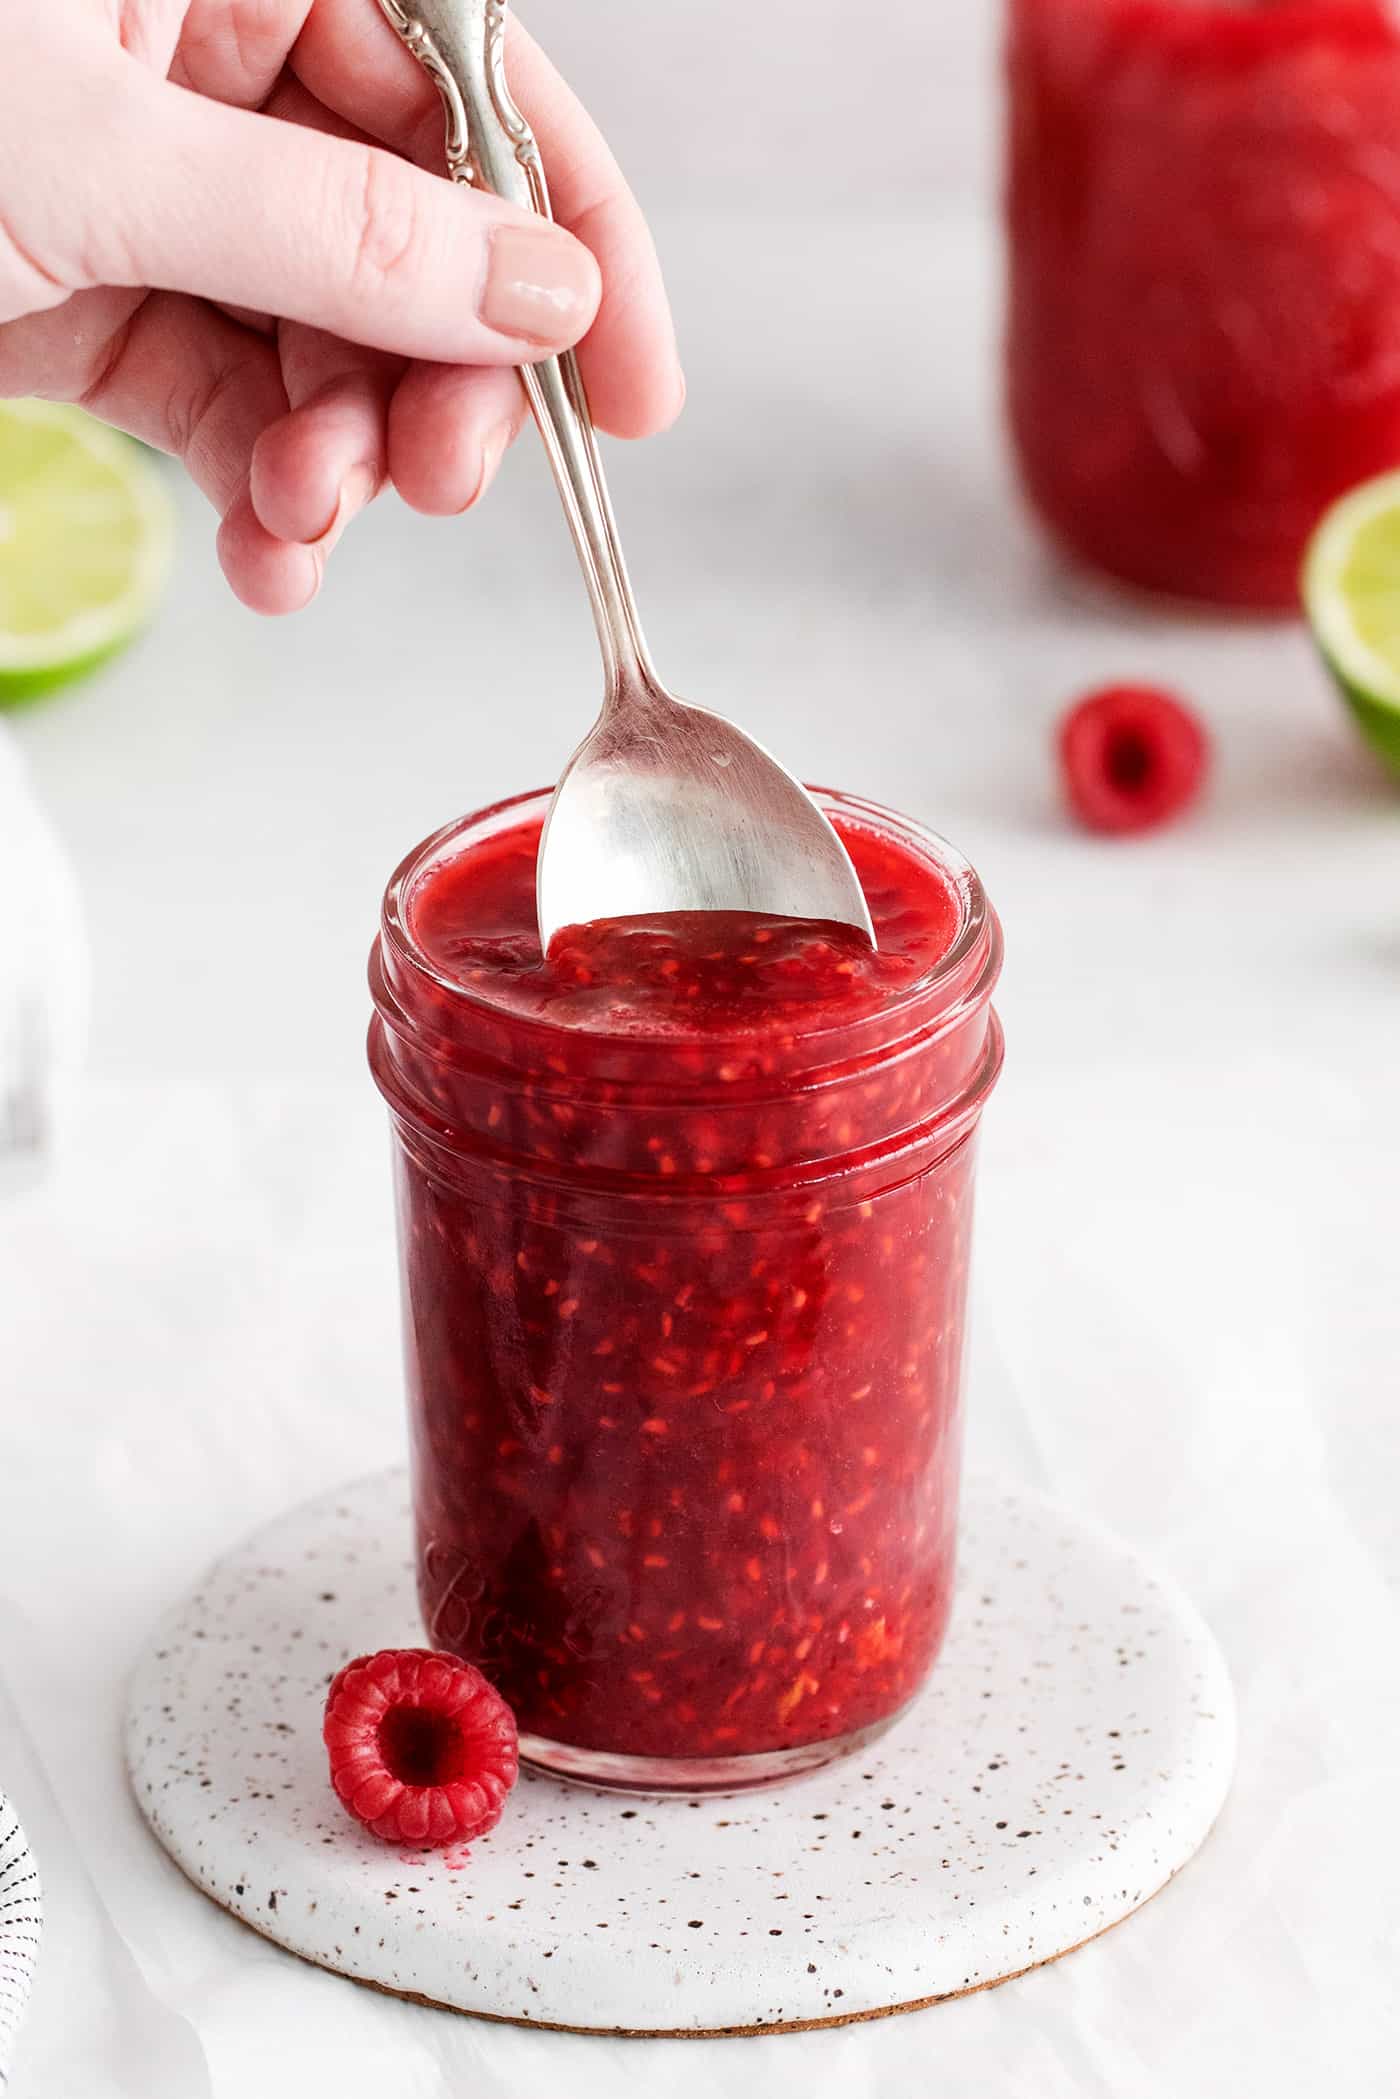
x,y
204,240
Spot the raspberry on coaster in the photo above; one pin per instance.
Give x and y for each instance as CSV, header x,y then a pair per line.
x,y
422,1749
1131,757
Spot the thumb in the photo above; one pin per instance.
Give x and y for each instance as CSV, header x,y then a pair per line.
x,y
255,212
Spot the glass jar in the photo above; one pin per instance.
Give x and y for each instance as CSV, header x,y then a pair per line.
x,y
684,1329
1204,323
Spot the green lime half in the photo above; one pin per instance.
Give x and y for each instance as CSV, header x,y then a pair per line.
x,y
1351,595
85,537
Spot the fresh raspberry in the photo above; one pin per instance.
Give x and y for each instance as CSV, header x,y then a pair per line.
x,y
1131,757
422,1749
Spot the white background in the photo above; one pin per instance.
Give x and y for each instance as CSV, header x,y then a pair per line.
x,y
808,102
1188,1311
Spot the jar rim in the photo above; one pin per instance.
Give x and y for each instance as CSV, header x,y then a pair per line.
x,y
975,922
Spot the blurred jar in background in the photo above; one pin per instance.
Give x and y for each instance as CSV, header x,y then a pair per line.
x,y
1204,336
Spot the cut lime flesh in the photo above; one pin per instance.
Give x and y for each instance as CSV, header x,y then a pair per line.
x,y
85,538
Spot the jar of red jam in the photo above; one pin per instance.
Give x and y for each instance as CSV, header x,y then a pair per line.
x,y
1204,327
684,1218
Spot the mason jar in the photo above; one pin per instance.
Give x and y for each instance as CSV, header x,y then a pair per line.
x,y
683,1289
1204,298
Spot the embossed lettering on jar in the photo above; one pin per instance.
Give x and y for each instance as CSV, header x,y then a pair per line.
x,y
684,1221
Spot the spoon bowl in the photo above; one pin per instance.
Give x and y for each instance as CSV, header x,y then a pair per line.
x,y
665,806
668,807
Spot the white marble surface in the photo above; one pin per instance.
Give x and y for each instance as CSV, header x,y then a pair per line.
x,y
1188,1322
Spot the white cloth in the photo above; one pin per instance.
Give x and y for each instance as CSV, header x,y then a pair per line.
x,y
43,974
92,2024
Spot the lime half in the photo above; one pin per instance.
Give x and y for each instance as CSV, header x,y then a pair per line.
x,y
85,537
1351,595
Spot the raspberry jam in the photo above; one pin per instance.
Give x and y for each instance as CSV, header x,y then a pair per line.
x,y
684,1218
1204,338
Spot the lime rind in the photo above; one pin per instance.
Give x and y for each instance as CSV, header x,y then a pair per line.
x,y
1379,722
1351,595
19,687
98,530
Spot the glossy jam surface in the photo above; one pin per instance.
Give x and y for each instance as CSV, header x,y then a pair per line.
x,y
1204,334
684,1220
700,974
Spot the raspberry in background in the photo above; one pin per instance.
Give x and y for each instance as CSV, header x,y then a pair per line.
x,y
422,1749
1131,757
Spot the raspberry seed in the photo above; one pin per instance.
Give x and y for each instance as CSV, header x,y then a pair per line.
x,y
422,1749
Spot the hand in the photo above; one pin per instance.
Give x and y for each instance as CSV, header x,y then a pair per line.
x,y
204,241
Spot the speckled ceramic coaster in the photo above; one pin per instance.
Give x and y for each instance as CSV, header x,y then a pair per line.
x,y
1070,1755
21,1926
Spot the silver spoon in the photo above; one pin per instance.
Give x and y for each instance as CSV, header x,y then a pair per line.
x,y
664,806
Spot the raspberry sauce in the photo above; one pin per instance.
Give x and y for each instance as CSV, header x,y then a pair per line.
x,y
1204,328
684,1222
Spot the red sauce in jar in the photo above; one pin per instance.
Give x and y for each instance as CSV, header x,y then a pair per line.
x,y
685,1219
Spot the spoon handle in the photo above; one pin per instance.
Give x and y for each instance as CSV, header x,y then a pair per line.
x,y
461,45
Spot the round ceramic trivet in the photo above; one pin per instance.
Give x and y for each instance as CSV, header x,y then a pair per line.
x,y
1069,1756
21,1926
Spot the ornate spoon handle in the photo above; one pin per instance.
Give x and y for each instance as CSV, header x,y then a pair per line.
x,y
461,45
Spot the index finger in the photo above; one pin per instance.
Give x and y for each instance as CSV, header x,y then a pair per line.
x,y
350,59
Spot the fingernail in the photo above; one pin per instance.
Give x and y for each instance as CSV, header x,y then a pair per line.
x,y
492,453
359,487
313,578
541,285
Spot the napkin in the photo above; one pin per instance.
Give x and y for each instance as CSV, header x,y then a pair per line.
x,y
21,1927
43,976
92,2023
